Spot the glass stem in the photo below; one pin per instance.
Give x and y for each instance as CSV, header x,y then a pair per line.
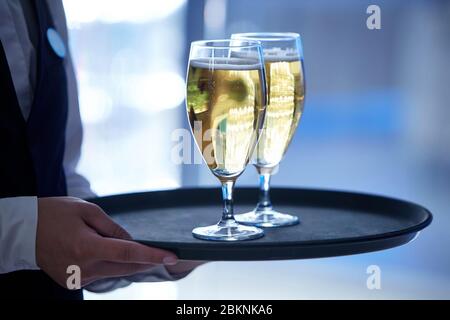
x,y
264,193
227,196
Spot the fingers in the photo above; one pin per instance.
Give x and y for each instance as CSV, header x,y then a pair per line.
x,y
114,269
98,220
105,270
123,251
184,266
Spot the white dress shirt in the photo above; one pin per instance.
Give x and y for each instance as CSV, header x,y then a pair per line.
x,y
18,215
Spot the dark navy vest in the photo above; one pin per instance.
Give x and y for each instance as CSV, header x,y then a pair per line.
x,y
32,151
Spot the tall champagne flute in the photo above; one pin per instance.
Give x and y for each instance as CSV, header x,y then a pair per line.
x,y
283,57
226,101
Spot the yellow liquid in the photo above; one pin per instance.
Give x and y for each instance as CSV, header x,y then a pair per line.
x,y
225,107
286,93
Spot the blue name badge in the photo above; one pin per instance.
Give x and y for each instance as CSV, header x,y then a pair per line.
x,y
56,43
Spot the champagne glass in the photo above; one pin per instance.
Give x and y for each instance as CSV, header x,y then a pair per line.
x,y
226,101
283,58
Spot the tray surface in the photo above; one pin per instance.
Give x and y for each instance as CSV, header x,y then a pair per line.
x,y
332,223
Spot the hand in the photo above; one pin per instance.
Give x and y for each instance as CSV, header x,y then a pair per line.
x,y
155,274
71,231
183,268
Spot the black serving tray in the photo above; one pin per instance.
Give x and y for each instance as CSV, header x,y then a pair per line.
x,y
332,223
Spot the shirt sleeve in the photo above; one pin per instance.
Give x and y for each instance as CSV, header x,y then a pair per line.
x,y
18,225
77,184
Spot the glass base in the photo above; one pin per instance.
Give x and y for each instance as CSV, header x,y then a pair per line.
x,y
228,230
267,219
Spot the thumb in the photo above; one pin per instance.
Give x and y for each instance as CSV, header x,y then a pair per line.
x,y
97,219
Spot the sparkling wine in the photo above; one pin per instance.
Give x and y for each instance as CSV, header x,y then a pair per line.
x,y
286,92
226,105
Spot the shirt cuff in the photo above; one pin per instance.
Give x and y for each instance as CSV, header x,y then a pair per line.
x,y
18,226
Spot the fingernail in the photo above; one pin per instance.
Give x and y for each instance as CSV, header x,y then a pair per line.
x,y
170,260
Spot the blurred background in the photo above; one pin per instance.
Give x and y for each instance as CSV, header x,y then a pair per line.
x,y
376,120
